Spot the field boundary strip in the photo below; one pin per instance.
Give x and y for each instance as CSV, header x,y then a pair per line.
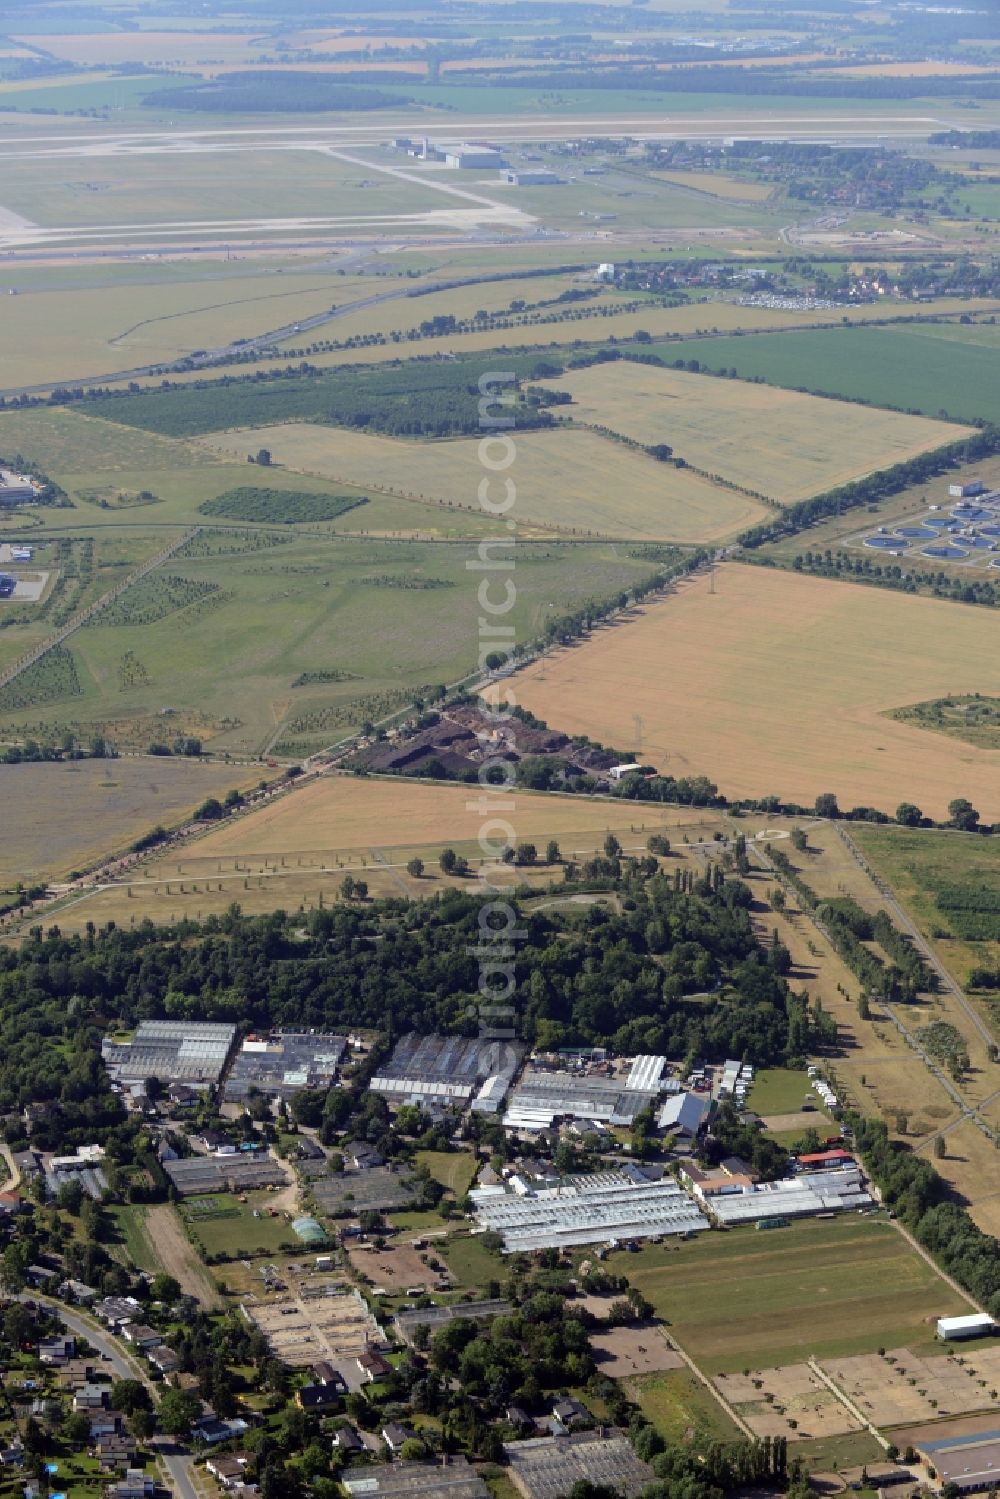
x,y
80,619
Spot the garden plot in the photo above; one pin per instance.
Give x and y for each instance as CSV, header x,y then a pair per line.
x,y
790,1401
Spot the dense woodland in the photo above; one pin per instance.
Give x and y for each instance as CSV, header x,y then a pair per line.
x,y
678,972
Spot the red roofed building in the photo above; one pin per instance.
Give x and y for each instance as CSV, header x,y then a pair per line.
x,y
822,1160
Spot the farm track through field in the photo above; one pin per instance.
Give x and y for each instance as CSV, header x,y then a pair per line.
x,y
85,615
177,1254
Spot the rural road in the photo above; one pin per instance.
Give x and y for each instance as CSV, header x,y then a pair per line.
x,y
176,1461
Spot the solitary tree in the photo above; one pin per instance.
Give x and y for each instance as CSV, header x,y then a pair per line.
x,y
963,815
415,868
909,816
826,805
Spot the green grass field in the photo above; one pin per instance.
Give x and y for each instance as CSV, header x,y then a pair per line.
x,y
827,1288
233,1229
391,618
470,1262
145,188
453,1169
133,1237
780,1090
927,367
678,1404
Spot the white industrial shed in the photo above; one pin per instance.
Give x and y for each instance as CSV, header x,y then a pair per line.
x,y
976,1325
589,1210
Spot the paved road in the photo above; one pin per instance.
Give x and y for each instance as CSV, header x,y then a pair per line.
x,y
176,1461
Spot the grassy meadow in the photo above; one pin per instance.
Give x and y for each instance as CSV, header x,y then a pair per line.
x,y
818,1288
229,639
950,883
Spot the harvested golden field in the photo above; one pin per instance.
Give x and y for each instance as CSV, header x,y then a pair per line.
x,y
776,684
122,47
925,69
296,852
573,481
342,814
777,442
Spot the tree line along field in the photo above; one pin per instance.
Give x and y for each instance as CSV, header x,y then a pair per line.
x,y
231,632
704,320
928,367
778,684
781,444
576,482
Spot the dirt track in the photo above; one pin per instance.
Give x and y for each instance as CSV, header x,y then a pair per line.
x,y
178,1255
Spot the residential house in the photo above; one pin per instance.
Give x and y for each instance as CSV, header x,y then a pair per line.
x,y
327,1373
212,1430
135,1485
56,1350
395,1434
91,1397
360,1156
346,1439
105,1424
40,1277
373,1366
141,1336
117,1310
317,1397
163,1358
11,1203
568,1413
82,1294
116,1451
228,1471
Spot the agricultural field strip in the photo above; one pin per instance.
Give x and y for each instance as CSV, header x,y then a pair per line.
x,y
701,322
780,443
574,482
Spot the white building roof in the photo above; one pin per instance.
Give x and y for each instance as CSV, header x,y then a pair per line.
x,y
645,1074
